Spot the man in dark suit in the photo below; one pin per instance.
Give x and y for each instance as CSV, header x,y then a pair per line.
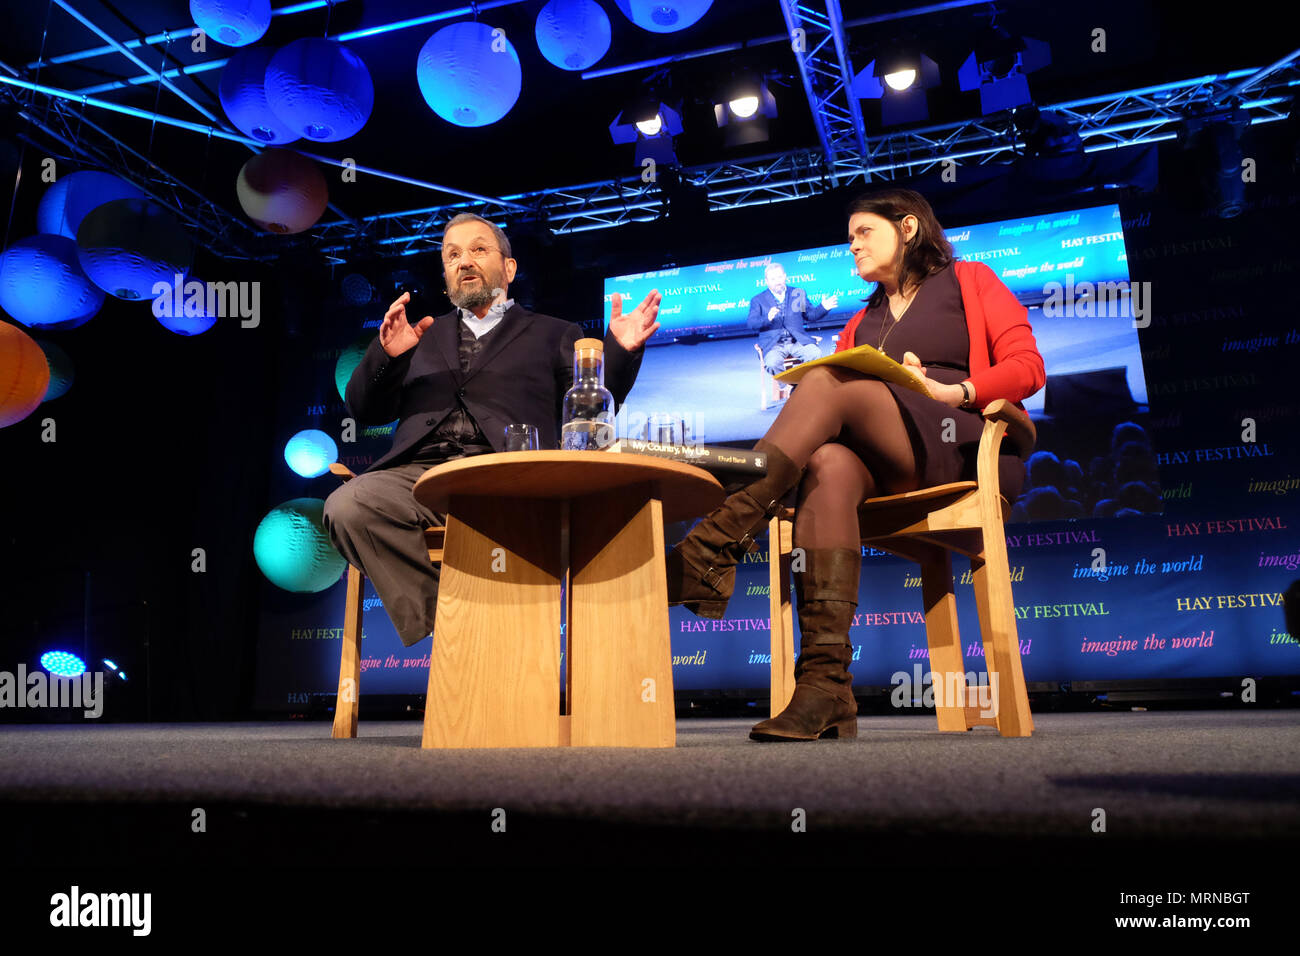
x,y
455,383
778,315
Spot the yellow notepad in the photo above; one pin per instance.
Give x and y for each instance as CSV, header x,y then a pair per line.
x,y
863,358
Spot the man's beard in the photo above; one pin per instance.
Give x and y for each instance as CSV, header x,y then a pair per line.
x,y
476,296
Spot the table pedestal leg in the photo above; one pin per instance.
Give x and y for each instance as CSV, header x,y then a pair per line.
x,y
620,658
494,669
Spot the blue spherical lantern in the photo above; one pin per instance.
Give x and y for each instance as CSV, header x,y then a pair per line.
x,y
66,203
189,307
293,549
311,452
664,16
129,246
232,22
62,373
320,89
63,664
572,34
464,79
43,285
243,97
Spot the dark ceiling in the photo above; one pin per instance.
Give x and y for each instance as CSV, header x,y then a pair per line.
x,y
556,134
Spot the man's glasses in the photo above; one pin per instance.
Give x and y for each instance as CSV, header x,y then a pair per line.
x,y
475,252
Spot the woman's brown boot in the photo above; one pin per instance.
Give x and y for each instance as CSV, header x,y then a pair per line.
x,y
702,567
823,704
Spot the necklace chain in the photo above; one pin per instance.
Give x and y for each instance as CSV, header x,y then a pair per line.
x,y
897,319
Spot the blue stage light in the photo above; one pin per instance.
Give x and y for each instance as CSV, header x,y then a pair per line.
x,y
232,22
63,664
311,452
66,203
129,245
243,97
464,79
320,89
43,285
664,16
293,549
572,34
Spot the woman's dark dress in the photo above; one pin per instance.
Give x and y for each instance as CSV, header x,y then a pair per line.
x,y
934,327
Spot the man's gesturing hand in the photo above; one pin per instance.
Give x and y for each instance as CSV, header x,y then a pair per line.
x,y
635,327
396,334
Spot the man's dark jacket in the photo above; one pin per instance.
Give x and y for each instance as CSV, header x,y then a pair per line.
x,y
520,377
794,312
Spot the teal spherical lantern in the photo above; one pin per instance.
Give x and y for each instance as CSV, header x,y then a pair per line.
x,y
62,372
572,34
664,16
469,74
311,452
293,549
348,361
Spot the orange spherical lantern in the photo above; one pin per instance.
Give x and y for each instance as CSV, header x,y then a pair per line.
x,y
24,374
282,191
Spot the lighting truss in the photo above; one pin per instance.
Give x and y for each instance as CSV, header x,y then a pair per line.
x,y
817,38
1132,118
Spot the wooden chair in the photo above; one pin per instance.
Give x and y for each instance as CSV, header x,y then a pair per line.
x,y
345,707
925,526
779,391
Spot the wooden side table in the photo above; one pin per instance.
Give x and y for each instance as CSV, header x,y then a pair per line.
x,y
517,523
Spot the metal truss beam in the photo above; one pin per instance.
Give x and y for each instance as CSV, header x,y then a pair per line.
x,y
1131,118
816,30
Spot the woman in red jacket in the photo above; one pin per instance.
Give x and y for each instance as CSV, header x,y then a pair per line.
x,y
851,436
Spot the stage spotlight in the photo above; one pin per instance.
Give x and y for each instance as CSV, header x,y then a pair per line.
x,y
1046,133
651,124
63,664
1213,138
114,668
743,108
899,80
997,67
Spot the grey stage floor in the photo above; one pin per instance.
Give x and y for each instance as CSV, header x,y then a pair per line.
x,y
1154,774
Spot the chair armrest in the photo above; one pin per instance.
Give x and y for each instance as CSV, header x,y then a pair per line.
x,y
1020,430
342,471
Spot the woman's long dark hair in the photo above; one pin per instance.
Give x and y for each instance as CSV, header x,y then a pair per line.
x,y
927,253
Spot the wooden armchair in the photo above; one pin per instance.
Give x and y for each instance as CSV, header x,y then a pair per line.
x,y
345,708
779,391
925,526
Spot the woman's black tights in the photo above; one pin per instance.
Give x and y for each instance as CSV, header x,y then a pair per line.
x,y
848,430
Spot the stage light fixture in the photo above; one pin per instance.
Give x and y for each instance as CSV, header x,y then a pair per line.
x,y
742,108
997,67
899,80
63,664
1212,137
111,665
651,124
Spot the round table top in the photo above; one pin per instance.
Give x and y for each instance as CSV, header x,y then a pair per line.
x,y
685,490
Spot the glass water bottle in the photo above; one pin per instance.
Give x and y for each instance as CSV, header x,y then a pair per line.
x,y
588,423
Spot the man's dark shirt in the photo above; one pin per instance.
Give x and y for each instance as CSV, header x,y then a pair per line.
x,y
458,435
